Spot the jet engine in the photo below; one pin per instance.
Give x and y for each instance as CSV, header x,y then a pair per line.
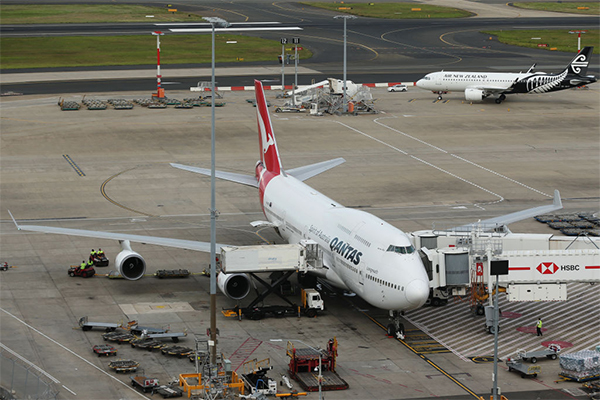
x,y
474,95
235,286
130,264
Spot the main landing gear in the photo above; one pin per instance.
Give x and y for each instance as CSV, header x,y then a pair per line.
x,y
395,328
500,99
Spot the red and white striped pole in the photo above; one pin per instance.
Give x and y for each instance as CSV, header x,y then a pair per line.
x,y
160,92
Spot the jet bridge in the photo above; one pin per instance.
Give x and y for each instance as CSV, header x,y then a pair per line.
x,y
539,265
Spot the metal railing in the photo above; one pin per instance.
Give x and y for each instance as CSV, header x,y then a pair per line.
x,y
23,380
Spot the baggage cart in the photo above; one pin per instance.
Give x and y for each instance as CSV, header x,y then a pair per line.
x,y
531,371
124,365
87,325
104,350
551,353
144,382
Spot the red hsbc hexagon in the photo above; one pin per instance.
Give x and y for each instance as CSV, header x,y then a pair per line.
x,y
547,268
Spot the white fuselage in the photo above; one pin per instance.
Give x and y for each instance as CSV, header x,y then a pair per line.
x,y
459,81
356,245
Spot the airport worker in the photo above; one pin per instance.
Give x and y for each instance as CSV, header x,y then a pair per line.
x,y
92,253
100,253
83,264
90,263
539,327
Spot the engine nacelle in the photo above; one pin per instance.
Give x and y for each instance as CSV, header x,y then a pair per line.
x,y
130,264
474,95
235,286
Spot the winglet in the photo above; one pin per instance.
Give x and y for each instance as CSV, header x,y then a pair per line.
x,y
13,218
557,201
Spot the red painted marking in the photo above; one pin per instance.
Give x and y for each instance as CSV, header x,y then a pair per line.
x,y
267,87
369,84
519,269
237,88
510,314
563,345
530,329
394,83
593,267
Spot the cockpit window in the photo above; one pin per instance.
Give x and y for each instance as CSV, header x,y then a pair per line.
x,y
401,249
427,78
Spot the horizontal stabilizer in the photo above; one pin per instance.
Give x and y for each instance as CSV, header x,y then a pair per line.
x,y
159,241
263,224
520,215
308,171
228,176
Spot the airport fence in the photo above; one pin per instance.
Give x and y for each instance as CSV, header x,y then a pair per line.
x,y
21,379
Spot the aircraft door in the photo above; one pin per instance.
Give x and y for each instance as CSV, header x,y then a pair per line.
x,y
361,273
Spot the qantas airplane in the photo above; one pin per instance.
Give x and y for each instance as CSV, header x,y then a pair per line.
x,y
479,85
361,253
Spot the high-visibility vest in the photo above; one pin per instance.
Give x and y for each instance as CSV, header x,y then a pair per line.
x,y
83,265
539,324
92,253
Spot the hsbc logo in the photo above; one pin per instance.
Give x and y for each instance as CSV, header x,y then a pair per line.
x,y
547,268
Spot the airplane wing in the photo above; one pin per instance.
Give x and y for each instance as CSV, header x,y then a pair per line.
x,y
493,223
167,242
489,90
308,171
248,180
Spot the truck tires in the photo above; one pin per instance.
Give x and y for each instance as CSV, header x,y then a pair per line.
x,y
311,313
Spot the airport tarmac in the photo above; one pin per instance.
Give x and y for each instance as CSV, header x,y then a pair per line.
x,y
417,163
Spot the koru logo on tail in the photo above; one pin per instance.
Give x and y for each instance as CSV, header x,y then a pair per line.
x,y
579,62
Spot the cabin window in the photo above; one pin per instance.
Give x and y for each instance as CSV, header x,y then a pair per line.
x,y
401,249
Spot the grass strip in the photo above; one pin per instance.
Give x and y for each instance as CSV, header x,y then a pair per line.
x,y
578,7
392,10
84,51
559,39
90,13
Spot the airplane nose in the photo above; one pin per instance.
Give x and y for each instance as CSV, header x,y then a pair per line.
x,y
419,83
417,292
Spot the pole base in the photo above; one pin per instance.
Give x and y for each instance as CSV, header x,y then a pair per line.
x,y
160,93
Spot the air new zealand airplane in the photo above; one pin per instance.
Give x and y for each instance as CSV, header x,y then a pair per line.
x,y
479,85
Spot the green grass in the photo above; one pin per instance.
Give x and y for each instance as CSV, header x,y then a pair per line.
x,y
88,13
560,39
392,10
563,7
80,51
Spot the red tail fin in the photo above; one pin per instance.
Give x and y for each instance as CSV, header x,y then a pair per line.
x,y
269,155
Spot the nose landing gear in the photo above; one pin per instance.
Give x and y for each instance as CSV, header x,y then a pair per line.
x,y
395,328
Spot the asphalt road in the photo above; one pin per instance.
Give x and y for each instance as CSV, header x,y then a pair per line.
x,y
378,50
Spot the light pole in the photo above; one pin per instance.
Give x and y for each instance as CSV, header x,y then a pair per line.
x,y
213,211
296,42
283,43
345,17
320,378
160,92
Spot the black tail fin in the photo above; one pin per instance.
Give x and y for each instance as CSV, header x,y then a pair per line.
x,y
579,64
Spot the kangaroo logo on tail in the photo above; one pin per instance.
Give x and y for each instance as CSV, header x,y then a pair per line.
x,y
269,155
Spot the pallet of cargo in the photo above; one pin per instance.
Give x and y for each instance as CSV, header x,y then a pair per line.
x,y
573,378
172,273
